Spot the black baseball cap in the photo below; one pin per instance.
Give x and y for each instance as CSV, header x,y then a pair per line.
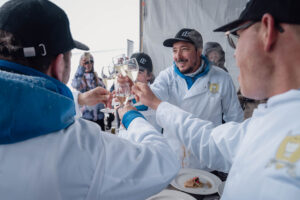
x,y
40,25
143,60
284,11
186,35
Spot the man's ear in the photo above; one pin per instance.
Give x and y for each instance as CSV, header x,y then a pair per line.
x,y
56,68
269,32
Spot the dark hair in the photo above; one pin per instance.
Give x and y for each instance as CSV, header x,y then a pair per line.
x,y
9,50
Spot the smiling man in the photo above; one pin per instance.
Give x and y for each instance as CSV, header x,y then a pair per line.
x,y
196,86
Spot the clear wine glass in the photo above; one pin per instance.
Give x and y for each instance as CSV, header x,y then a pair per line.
x,y
118,62
131,68
108,75
122,92
132,71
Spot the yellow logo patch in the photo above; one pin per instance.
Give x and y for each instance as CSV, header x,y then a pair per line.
x,y
214,88
287,154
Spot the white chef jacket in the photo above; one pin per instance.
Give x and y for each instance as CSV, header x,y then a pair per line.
x,y
262,153
209,97
81,162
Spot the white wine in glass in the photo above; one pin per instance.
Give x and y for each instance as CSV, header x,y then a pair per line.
x,y
132,69
122,92
108,82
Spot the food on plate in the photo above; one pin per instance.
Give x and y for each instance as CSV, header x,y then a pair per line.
x,y
196,183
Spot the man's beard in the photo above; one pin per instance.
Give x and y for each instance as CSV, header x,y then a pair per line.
x,y
190,69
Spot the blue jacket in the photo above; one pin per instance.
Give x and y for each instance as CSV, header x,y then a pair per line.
x,y
32,103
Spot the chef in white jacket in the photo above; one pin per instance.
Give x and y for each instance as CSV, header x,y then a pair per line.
x,y
262,154
193,84
45,151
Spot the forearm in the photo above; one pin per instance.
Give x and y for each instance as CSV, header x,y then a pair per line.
x,y
207,143
150,163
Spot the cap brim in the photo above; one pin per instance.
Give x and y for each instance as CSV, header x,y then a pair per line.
x,y
79,45
229,26
171,41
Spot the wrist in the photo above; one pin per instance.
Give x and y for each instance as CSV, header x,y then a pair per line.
x,y
155,103
80,99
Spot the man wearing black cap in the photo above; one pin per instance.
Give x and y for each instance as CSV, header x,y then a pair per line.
x,y
263,152
193,84
145,67
47,153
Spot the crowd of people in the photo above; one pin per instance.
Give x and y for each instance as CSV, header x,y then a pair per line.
x,y
49,152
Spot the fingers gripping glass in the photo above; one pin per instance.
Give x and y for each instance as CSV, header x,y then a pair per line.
x,y
232,36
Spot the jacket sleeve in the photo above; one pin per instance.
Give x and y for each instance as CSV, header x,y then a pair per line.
x,y
231,107
160,86
76,82
215,147
140,167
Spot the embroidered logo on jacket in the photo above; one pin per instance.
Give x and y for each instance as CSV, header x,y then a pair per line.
x,y
214,88
287,154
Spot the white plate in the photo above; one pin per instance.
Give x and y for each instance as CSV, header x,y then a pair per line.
x,y
171,194
204,176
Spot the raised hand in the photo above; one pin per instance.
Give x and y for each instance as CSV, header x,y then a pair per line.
x,y
144,94
124,109
95,96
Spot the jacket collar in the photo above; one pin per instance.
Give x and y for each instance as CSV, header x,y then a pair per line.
x,y
191,80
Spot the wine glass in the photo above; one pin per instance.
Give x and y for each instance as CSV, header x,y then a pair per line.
x,y
131,68
108,75
132,71
122,92
118,62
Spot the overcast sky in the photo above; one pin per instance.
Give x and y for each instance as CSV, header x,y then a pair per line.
x,y
104,25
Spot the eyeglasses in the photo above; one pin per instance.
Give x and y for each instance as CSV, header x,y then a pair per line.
x,y
89,62
232,36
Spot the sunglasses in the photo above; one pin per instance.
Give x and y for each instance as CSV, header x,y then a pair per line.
x,y
89,62
232,36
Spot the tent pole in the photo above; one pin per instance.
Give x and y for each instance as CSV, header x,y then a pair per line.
x,y
142,9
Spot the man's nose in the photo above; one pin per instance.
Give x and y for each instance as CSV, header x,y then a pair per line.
x,y
177,55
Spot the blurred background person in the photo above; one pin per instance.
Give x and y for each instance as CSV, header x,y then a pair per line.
x,y
87,79
215,54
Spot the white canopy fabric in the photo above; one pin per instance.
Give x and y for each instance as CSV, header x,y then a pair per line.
x,y
162,19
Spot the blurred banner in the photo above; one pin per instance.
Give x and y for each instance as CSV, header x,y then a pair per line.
x,y
130,45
